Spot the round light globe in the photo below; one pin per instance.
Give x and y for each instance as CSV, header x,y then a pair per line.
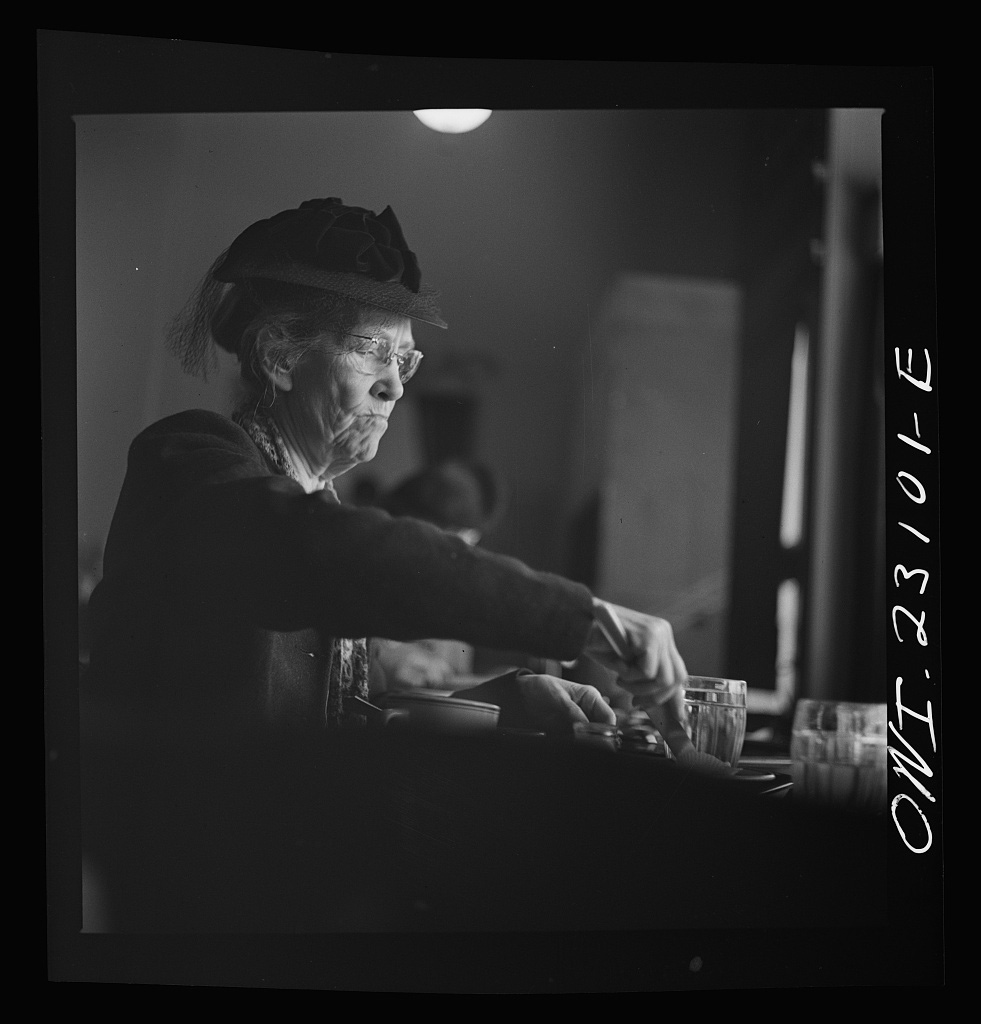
x,y
452,119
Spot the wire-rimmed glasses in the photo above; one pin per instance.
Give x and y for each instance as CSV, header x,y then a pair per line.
x,y
377,353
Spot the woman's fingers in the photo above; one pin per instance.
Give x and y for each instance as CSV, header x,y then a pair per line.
x,y
554,702
591,703
659,656
653,666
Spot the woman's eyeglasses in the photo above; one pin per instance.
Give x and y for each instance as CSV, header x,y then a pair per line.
x,y
377,353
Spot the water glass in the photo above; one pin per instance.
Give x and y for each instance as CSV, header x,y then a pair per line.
x,y
717,716
838,754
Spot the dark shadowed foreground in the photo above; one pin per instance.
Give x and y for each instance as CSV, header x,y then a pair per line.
x,y
407,831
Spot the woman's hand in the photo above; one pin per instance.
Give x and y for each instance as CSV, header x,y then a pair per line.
x,y
651,669
555,705
545,703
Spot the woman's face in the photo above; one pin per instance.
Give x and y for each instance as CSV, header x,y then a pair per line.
x,y
335,413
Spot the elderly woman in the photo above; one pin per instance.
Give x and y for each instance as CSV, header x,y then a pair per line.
x,y
238,590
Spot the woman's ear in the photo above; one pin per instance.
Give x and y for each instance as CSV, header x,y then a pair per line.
x,y
273,371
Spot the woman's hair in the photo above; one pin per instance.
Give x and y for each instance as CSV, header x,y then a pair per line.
x,y
264,323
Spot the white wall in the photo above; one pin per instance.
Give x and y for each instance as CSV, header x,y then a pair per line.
x,y
668,480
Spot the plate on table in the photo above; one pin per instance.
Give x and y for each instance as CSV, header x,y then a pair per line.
x,y
747,774
434,710
763,780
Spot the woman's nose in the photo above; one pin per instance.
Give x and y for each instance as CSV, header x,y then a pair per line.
x,y
388,387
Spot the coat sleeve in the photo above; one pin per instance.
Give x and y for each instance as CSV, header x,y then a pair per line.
x,y
200,517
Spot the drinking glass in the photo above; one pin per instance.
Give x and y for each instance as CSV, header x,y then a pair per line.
x,y
838,754
717,716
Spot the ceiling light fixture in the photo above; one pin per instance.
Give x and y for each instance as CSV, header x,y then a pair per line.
x,y
454,120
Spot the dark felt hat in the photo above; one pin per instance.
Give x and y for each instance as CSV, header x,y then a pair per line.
x,y
347,250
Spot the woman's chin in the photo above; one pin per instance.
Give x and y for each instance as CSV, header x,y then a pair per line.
x,y
354,451
370,447
364,452
367,454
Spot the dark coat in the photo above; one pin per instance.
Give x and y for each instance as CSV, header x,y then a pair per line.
x,y
223,582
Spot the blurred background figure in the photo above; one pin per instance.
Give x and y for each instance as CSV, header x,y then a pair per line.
x,y
461,496
465,498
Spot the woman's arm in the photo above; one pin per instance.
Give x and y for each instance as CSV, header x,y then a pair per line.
x,y
200,513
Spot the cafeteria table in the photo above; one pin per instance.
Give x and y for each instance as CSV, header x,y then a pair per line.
x,y
403,831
